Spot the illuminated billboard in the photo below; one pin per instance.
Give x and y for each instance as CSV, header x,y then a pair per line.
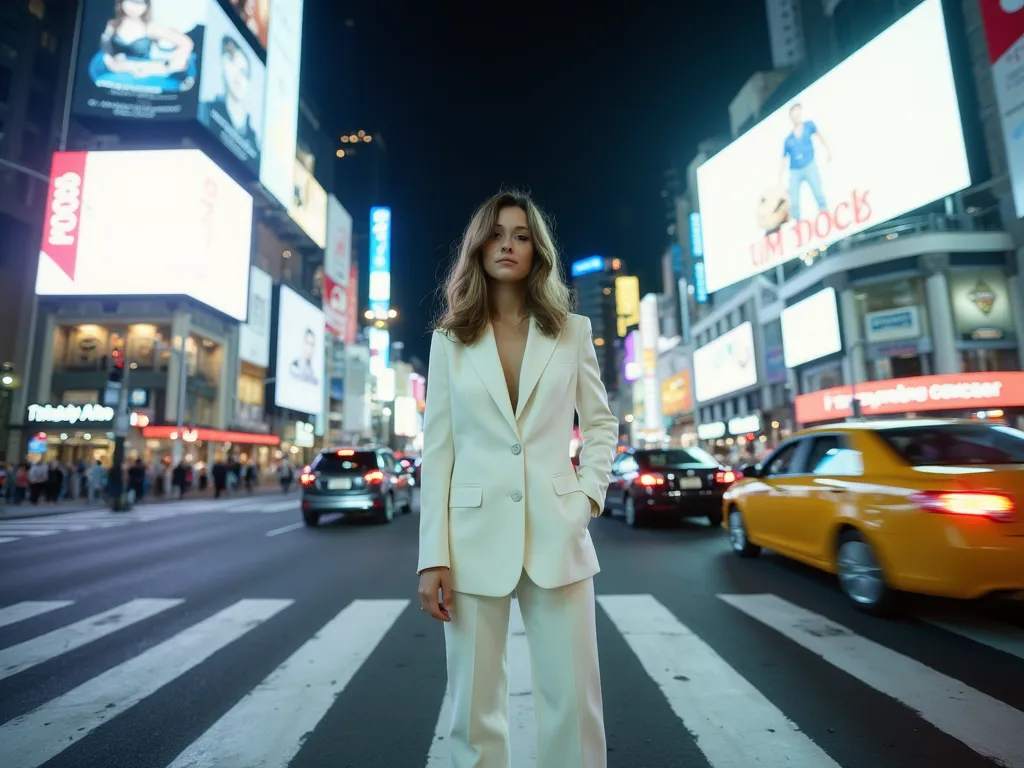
x,y
189,231
587,266
725,365
301,360
848,153
380,260
254,334
810,329
281,122
627,303
337,263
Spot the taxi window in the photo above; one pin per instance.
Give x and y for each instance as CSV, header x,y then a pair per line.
x,y
782,462
830,455
952,444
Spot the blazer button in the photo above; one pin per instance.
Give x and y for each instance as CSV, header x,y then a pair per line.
x,y
517,496
516,449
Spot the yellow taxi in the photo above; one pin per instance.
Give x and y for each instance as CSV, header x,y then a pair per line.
x,y
926,506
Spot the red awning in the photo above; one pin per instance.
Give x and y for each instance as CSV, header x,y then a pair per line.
x,y
211,435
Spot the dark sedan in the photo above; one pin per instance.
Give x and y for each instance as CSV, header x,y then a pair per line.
x,y
355,482
668,484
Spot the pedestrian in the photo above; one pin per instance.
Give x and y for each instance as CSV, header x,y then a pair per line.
x,y
502,508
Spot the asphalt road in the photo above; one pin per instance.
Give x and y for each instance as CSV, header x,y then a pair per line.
x,y
226,634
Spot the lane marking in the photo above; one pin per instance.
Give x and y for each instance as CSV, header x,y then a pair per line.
x,y
1002,637
733,723
38,736
28,609
269,725
7,540
285,529
28,654
985,724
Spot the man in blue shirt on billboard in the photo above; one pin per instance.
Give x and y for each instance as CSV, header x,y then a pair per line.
x,y
798,149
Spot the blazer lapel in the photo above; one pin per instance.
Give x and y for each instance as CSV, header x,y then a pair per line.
x,y
484,357
539,349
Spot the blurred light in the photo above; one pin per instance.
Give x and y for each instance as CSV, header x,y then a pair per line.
x,y
287,254
353,137
392,313
616,263
87,436
598,342
367,138
775,425
380,324
629,418
368,314
64,436
7,380
361,134
344,139
340,153
607,291
133,366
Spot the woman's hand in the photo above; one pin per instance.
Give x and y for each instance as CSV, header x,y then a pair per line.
x,y
433,581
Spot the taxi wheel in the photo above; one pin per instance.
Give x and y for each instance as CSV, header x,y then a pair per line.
x,y
741,545
860,574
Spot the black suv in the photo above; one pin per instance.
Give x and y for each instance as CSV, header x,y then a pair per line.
x,y
668,483
355,481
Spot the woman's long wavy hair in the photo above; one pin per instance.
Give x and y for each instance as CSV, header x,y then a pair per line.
x,y
466,297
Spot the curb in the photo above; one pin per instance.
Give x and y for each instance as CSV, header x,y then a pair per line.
x,y
53,512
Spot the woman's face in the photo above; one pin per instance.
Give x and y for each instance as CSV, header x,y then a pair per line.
x,y
134,9
508,253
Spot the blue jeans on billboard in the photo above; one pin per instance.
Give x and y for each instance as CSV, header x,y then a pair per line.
x,y
797,178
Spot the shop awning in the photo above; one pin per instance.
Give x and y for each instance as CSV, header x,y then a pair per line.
x,y
211,435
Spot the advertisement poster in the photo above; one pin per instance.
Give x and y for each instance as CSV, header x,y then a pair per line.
x,y
139,59
280,127
189,234
352,305
255,16
848,153
810,328
380,259
308,204
337,260
231,89
726,365
301,364
254,334
1004,30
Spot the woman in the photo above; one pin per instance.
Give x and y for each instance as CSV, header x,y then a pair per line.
x,y
128,42
502,508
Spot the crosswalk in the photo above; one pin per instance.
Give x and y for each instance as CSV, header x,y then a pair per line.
x,y
731,721
100,518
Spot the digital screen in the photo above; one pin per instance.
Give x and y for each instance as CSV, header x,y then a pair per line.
x,y
337,262
308,204
810,329
301,359
380,259
587,265
140,58
627,302
188,232
726,365
254,335
281,120
848,153
255,16
231,89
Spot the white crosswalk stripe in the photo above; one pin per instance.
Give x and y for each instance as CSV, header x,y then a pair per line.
x,y
986,725
101,518
732,722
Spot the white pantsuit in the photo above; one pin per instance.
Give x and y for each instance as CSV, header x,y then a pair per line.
x,y
502,506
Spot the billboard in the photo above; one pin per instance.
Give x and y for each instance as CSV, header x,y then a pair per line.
x,y
337,261
352,304
280,126
300,377
189,231
254,334
650,330
140,60
308,203
848,153
631,370
231,89
380,259
810,329
676,394
627,303
255,16
1004,30
725,365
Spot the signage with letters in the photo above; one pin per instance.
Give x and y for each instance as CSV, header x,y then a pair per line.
x,y
743,425
70,414
711,431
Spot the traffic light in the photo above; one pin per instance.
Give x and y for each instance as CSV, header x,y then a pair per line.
x,y
117,365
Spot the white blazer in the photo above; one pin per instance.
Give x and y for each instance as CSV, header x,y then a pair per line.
x,y
499,492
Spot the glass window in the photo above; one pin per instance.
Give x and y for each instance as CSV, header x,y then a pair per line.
x,y
361,461
830,455
782,462
956,444
678,458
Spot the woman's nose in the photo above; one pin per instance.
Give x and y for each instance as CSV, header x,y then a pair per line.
x,y
506,245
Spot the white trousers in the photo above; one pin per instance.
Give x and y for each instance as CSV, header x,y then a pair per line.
x,y
561,632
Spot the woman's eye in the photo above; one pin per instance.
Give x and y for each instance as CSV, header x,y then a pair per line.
x,y
524,238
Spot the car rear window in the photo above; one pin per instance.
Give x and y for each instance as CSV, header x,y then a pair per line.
x,y
956,444
362,461
678,457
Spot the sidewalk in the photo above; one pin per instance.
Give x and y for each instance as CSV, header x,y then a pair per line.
x,y
45,509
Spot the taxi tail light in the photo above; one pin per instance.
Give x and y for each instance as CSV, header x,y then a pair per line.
x,y
307,477
650,479
376,477
994,506
727,476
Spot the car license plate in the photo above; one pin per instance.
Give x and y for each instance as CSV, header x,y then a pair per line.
x,y
690,483
339,484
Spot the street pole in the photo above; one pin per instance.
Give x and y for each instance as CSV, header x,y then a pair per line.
x,y
116,487
855,409
178,448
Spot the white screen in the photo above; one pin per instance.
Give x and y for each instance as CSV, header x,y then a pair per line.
x,y
300,354
284,52
254,335
727,364
892,142
810,329
308,204
156,222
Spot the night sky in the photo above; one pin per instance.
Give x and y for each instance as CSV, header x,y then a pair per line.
x,y
585,109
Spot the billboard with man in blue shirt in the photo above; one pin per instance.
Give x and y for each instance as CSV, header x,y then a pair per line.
x,y
798,155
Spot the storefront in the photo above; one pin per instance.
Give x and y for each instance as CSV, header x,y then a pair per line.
x,y
997,396
69,432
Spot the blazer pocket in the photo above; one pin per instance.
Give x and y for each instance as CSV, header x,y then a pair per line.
x,y
565,483
465,496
